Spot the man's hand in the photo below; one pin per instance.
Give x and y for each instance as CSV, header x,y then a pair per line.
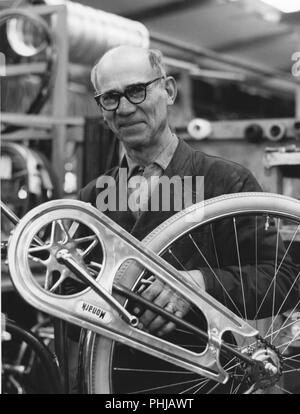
x,y
162,295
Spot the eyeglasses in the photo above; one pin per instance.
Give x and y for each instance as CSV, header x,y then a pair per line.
x,y
135,94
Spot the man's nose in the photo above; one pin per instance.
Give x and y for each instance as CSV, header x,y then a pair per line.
x,y
125,107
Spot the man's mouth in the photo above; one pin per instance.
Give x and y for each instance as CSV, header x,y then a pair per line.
x,y
130,124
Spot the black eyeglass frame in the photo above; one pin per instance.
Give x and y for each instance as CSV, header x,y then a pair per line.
x,y
145,86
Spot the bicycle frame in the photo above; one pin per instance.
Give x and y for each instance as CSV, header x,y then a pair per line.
x,y
97,310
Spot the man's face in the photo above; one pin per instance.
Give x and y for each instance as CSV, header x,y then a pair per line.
x,y
136,125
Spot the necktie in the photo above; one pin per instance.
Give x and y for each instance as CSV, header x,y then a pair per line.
x,y
134,190
140,189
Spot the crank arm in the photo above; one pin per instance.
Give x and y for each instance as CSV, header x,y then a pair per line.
x,y
90,311
66,258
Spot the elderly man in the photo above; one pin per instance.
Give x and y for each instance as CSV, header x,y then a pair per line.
x,y
134,94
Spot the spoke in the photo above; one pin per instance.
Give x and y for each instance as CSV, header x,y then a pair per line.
x,y
214,388
58,283
282,389
275,273
73,228
215,248
64,230
286,344
240,267
95,264
288,371
215,275
278,312
284,325
238,364
37,249
232,382
90,247
293,358
277,270
161,371
280,329
92,271
52,233
85,239
202,385
235,391
291,368
175,384
48,279
290,342
189,389
37,260
256,267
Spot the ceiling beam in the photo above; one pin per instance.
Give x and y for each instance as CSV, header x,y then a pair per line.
x,y
164,9
258,73
253,41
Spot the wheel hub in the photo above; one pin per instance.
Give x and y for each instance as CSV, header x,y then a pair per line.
x,y
268,370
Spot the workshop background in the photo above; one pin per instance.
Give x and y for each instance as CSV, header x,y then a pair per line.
x,y
237,64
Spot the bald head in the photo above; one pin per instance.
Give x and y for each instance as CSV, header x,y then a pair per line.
x,y
134,94
124,57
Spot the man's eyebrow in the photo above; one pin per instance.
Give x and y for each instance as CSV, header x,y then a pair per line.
x,y
130,84
110,91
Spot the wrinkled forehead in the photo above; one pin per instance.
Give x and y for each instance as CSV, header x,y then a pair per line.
x,y
122,68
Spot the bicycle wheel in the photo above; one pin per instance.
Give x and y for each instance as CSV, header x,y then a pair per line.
x,y
28,366
253,240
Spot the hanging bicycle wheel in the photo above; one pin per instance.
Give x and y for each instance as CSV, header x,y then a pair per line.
x,y
28,365
248,246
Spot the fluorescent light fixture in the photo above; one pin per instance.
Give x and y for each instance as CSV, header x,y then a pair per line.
x,y
285,6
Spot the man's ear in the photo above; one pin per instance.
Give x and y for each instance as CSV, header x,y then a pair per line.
x,y
104,118
171,89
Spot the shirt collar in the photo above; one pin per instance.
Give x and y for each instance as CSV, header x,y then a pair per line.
x,y
162,159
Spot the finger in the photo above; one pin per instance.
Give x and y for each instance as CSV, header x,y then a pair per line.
x,y
149,316
145,283
151,278
170,326
158,323
153,291
150,293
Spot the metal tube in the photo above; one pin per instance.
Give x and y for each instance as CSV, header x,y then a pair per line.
x,y
92,32
225,60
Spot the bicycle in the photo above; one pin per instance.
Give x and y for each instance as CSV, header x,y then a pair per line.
x,y
233,350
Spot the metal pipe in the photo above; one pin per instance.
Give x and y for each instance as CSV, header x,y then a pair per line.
x,y
15,220
222,59
92,32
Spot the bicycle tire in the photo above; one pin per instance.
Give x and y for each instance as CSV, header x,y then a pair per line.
x,y
47,360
